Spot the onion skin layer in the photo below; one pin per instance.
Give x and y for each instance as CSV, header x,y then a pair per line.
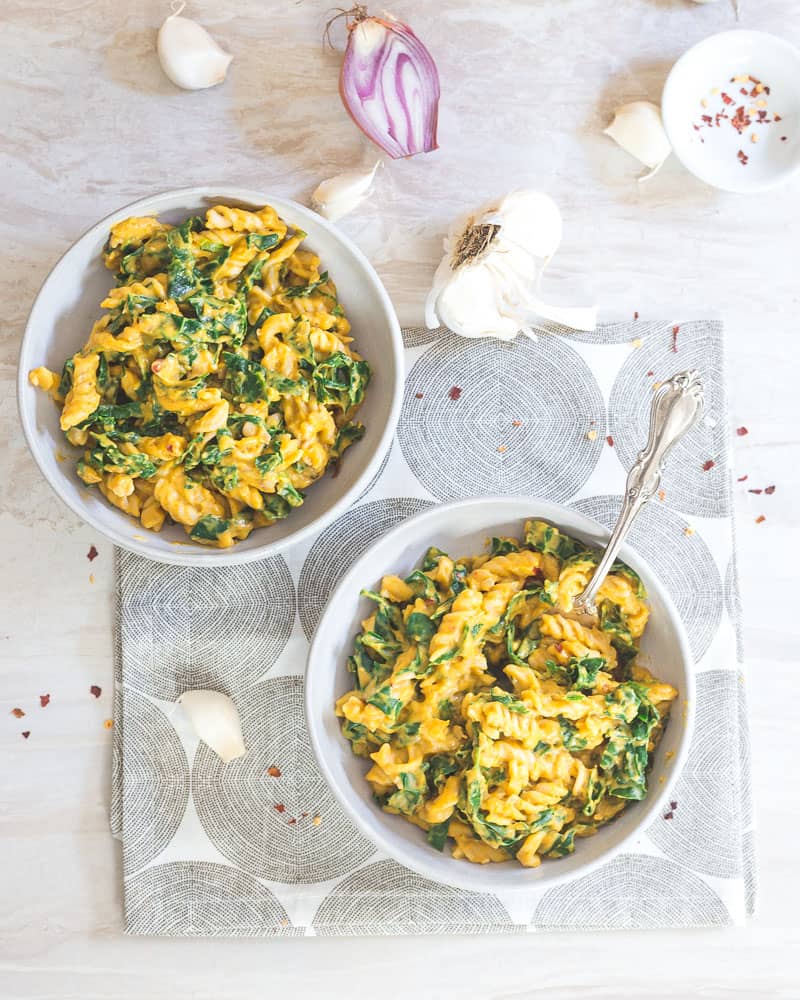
x,y
390,86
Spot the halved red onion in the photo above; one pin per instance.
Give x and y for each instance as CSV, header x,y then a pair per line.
x,y
390,85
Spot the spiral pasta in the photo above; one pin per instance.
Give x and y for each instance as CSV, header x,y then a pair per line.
x,y
222,381
492,718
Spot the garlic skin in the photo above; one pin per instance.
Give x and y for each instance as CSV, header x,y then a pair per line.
x,y
638,129
189,55
339,195
215,720
487,282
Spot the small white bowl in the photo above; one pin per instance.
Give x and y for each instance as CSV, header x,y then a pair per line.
x,y
461,529
712,153
61,320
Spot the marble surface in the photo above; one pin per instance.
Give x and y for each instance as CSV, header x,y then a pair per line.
x,y
89,123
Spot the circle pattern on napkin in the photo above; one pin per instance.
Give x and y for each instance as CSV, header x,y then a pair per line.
x,y
632,891
262,821
209,900
217,627
733,605
386,898
707,791
338,547
498,417
612,333
687,485
683,563
419,336
156,782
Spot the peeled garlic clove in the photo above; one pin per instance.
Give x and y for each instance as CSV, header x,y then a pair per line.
x,y
189,55
216,722
638,129
339,195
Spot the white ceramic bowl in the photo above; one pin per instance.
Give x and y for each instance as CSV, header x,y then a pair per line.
x,y
462,529
62,317
712,153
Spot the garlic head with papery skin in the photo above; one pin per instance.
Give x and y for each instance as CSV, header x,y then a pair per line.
x,y
638,129
189,55
339,195
487,282
215,720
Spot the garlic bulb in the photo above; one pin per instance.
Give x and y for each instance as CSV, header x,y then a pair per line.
x,y
216,722
486,284
189,55
339,195
638,129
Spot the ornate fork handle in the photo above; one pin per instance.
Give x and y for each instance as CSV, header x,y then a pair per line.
x,y
677,405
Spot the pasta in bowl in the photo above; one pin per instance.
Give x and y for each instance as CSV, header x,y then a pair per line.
x,y
479,711
222,382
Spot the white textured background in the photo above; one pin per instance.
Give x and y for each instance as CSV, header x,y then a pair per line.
x,y
88,123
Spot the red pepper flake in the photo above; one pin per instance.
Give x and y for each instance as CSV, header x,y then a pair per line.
x,y
273,772
669,815
26,733
516,423
760,519
92,554
741,479
741,431
17,713
304,815
280,807
784,138
95,690
44,700
755,491
455,393
636,314
726,99
776,118
650,374
742,157
745,91
673,805
708,464
662,495
558,647
769,490
675,331
418,395
292,821
610,441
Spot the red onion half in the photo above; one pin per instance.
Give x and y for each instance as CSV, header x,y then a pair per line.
x,y
390,85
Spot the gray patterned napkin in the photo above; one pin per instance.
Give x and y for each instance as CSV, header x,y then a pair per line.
x,y
259,847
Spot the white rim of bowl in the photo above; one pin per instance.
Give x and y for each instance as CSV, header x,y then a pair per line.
x,y
472,873
669,84
202,555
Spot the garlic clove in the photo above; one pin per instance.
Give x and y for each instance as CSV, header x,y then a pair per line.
x,y
638,129
215,720
339,195
531,220
468,305
189,55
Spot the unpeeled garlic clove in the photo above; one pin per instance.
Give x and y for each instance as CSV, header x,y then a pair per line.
x,y
189,55
638,129
339,195
215,720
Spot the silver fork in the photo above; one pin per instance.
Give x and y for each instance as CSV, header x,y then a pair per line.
x,y
677,405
